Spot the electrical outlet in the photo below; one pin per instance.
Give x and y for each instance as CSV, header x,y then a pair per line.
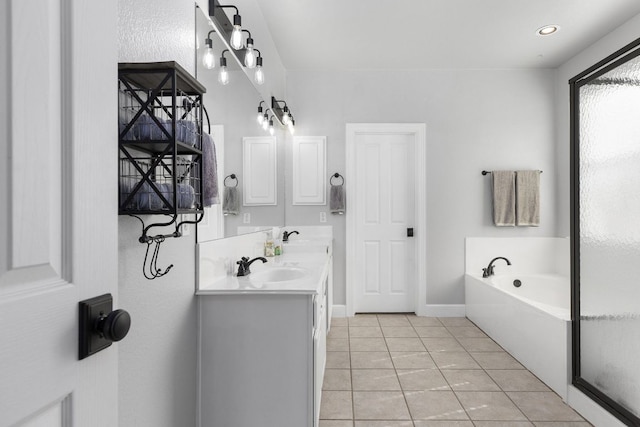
x,y
246,218
323,217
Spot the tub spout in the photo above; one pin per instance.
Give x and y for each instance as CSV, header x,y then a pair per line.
x,y
486,272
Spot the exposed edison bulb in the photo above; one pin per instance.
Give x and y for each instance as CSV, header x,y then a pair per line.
x,y
292,129
236,37
223,75
265,123
272,131
250,55
286,119
259,76
209,59
260,116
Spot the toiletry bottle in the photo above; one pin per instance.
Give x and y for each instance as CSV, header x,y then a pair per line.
x,y
277,247
268,245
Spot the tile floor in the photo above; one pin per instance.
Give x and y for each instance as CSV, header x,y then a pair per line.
x,y
397,370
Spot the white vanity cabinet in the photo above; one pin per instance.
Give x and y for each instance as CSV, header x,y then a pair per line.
x,y
262,356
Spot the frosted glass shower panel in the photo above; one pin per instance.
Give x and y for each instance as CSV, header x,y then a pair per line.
x,y
609,165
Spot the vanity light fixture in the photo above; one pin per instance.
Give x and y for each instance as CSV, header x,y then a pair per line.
x,y
259,75
209,58
283,114
223,74
249,53
292,128
547,30
272,131
236,34
260,116
265,120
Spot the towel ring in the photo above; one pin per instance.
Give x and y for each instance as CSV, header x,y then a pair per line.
x,y
232,176
336,175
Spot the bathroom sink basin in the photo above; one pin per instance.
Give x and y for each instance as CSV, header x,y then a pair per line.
x,y
278,275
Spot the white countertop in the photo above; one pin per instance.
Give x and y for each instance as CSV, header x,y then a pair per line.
x,y
315,262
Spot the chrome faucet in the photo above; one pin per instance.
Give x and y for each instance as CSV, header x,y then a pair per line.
x,y
244,263
286,234
486,272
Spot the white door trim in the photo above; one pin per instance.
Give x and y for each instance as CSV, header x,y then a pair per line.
x,y
419,131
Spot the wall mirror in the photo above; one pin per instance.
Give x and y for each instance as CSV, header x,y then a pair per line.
x,y
232,112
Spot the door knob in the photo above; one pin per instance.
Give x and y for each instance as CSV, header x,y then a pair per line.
x,y
114,326
100,325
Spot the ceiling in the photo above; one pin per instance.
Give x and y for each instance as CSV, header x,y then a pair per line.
x,y
415,34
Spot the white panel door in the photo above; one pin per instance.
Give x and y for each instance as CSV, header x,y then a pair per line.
x,y
259,166
309,170
58,208
385,209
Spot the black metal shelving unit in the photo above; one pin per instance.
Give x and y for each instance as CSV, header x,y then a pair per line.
x,y
160,144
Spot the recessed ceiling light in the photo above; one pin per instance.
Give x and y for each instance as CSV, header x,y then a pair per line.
x,y
547,30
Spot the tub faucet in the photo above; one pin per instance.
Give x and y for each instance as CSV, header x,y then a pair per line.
x,y
486,272
244,263
286,234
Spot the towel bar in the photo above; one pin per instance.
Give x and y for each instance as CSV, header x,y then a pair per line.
x,y
488,172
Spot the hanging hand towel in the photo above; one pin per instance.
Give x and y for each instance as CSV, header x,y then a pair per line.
x,y
504,198
231,204
337,200
528,198
209,171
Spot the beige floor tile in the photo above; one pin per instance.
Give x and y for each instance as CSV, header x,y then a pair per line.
x,y
337,379
339,321
489,405
337,344
470,380
405,344
365,331
422,379
424,321
466,332
364,320
517,380
368,344
434,405
443,424
384,424
380,405
412,359
399,331
479,344
562,424
375,380
454,360
338,360
455,321
336,423
432,332
393,320
442,344
496,360
371,360
543,406
502,424
336,405
338,332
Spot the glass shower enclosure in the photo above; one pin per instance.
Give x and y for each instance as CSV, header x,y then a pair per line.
x,y
605,191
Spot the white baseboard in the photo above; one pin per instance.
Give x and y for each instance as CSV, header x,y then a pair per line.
x,y
339,310
429,310
590,410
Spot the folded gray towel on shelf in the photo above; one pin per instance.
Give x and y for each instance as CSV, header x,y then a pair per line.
x,y
337,200
528,198
146,197
209,171
231,203
504,198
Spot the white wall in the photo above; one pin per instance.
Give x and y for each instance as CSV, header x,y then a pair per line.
x,y
476,119
604,47
157,371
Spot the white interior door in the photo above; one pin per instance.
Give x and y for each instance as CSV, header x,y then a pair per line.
x,y
385,256
58,208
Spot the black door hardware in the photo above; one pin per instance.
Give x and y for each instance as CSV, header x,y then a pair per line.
x,y
100,325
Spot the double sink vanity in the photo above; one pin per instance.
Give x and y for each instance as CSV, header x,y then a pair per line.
x,y
262,336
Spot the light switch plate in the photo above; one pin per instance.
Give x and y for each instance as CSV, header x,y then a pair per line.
x,y
323,217
246,218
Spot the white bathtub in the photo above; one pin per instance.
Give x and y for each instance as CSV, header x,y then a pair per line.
x,y
532,322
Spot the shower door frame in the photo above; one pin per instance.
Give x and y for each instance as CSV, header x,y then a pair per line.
x,y
627,53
